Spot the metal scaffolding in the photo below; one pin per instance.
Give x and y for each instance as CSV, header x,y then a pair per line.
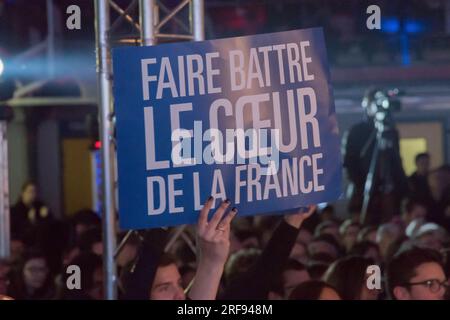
x,y
150,32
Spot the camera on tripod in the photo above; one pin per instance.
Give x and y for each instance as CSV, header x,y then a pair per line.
x,y
380,104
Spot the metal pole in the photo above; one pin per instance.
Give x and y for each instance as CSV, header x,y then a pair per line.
x,y
198,20
50,38
4,194
125,15
106,131
146,21
171,14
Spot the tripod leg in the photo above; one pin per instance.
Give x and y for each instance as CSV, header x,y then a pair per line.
x,y
368,185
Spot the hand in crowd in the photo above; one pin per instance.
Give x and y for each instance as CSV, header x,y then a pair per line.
x,y
213,241
297,219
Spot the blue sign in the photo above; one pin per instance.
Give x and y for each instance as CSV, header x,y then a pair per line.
x,y
250,119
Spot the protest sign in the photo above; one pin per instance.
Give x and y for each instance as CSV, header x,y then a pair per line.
x,y
250,119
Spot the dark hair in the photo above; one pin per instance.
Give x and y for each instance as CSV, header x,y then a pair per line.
x,y
323,225
293,264
86,217
309,290
18,288
403,266
240,262
409,204
26,184
421,155
166,260
361,248
328,238
316,270
88,238
347,275
363,233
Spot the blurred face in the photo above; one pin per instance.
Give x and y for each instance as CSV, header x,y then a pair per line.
x,y
350,236
97,248
299,252
35,273
167,284
292,278
322,247
424,285
333,230
96,291
29,194
329,294
430,240
423,165
418,212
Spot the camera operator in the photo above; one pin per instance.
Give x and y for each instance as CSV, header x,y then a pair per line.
x,y
375,139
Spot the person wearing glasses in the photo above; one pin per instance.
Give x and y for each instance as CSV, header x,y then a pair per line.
x,y
416,274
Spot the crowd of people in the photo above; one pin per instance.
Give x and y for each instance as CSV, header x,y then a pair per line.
x,y
308,253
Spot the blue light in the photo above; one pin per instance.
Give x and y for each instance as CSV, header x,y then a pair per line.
x,y
390,25
414,26
2,67
404,42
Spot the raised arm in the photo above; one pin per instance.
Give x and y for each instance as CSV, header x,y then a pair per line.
x,y
213,246
255,282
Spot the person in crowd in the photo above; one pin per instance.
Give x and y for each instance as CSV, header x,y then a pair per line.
x,y
368,233
240,262
432,236
439,201
325,243
91,280
367,249
349,276
152,269
32,280
271,262
316,270
314,290
387,234
82,221
330,227
299,251
28,212
348,234
293,274
167,284
358,147
32,222
413,210
416,274
418,181
91,241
